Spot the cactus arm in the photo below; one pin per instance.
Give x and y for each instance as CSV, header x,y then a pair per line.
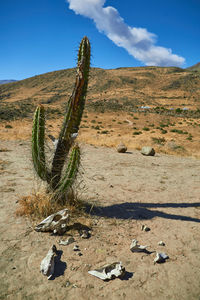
x,y
38,132
71,171
74,112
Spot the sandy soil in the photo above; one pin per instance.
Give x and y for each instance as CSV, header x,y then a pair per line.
x,y
130,190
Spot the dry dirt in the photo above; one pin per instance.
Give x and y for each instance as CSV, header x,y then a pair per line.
x,y
129,190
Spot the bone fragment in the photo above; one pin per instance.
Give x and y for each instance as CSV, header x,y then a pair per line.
x,y
47,264
55,223
135,247
110,271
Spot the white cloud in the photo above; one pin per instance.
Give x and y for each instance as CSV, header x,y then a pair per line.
x,y
137,41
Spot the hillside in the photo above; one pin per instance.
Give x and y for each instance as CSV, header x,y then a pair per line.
x,y
195,67
6,81
138,106
118,89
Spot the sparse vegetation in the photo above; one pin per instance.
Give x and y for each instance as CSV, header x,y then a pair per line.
x,y
159,140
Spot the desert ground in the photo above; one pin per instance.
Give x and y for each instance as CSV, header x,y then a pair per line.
x,y
126,190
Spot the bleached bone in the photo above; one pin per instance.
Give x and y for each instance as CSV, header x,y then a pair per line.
x,y
68,241
160,258
47,264
135,247
110,271
55,222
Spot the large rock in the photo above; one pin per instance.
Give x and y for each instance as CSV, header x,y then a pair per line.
x,y
121,148
148,151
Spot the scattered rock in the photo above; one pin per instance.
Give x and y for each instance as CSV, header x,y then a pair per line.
x,y
76,248
160,258
145,228
161,243
84,234
110,271
56,223
47,264
135,247
121,148
148,151
68,241
68,283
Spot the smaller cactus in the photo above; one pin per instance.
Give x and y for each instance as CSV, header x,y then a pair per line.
x,y
58,180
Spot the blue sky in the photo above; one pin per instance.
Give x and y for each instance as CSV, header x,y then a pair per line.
x,y
39,36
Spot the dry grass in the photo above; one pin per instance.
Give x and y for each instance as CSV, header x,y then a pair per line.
x,y
37,205
116,127
42,204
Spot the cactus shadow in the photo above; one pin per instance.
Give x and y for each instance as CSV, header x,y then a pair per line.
x,y
143,211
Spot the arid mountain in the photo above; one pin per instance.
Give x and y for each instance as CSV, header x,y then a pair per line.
x,y
6,81
139,106
117,89
195,67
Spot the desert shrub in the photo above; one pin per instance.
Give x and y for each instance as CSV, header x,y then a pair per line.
x,y
137,132
159,141
145,128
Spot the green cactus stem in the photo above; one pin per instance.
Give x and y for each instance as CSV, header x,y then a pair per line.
x,y
70,173
74,112
38,133
59,180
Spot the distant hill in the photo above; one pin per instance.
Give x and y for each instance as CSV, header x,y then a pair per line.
x,y
195,67
7,81
127,89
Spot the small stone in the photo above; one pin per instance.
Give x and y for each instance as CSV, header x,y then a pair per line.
x,y
121,148
67,283
84,234
68,241
76,248
145,228
148,151
161,243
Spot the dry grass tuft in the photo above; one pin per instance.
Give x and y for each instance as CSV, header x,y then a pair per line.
x,y
42,204
37,205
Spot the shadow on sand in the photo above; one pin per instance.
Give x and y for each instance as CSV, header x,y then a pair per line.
x,y
140,211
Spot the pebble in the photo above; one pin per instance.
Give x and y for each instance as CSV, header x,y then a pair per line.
x,y
145,228
76,248
161,243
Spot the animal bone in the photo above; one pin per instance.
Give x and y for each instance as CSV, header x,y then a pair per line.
x,y
160,258
135,247
47,264
55,222
68,241
110,271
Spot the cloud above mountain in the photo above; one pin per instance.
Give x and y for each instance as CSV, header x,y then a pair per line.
x,y
138,42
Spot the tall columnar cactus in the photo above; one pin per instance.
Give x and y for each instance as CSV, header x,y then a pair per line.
x,y
59,180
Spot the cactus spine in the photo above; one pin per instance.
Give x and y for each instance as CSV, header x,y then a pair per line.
x,y
61,183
